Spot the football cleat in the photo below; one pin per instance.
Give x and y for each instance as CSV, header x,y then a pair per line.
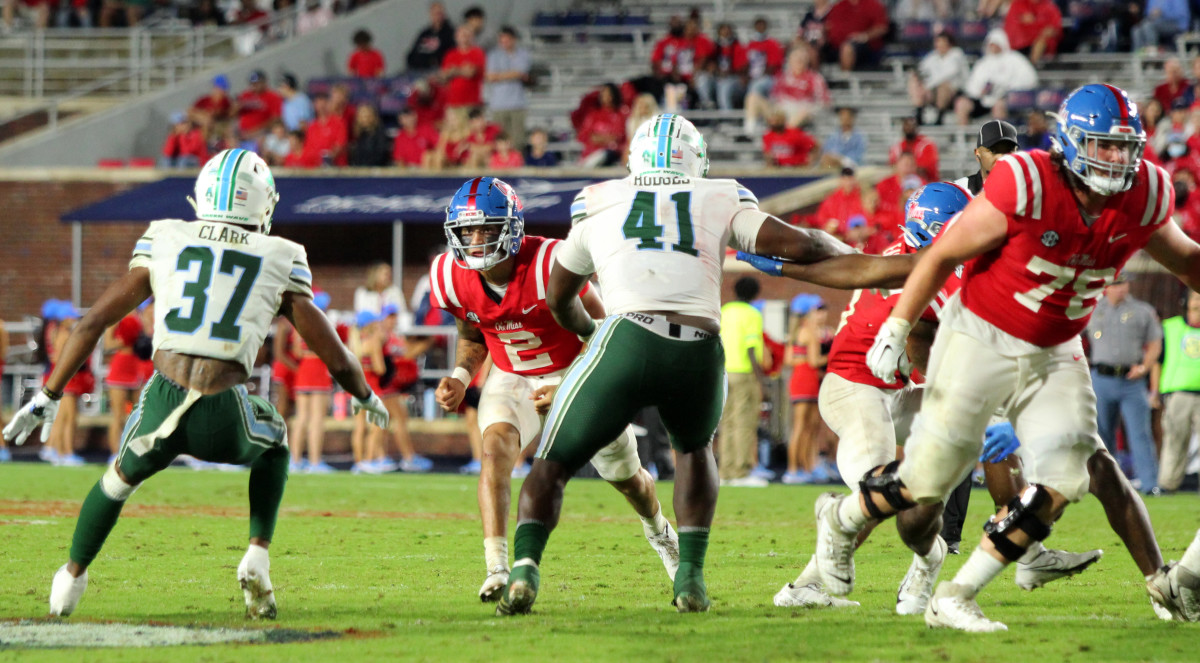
x,y
518,597
65,591
950,607
913,596
667,547
493,585
835,547
1052,565
254,576
1175,590
809,596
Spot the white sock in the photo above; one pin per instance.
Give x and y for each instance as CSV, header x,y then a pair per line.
x,y
1034,551
257,556
810,574
936,555
656,524
979,570
1191,558
495,551
850,514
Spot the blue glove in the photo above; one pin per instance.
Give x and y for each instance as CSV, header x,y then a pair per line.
x,y
761,263
998,442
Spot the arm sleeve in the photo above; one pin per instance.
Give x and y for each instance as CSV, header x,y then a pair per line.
x,y
579,207
142,249
300,278
573,253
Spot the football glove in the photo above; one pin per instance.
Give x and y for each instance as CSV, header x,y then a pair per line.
x,y
763,264
999,442
39,411
888,354
377,413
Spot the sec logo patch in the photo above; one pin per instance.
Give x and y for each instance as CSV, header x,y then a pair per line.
x,y
1049,238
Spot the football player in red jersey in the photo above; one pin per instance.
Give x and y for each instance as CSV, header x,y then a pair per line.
x,y
1040,243
493,280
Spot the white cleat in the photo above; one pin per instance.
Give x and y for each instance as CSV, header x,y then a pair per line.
x,y
1176,591
65,591
667,547
255,578
917,586
951,608
493,585
809,596
835,547
1052,565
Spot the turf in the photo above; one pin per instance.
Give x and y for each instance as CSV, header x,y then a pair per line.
x,y
394,563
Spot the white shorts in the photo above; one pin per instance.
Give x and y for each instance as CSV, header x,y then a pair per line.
x,y
868,421
1047,395
506,398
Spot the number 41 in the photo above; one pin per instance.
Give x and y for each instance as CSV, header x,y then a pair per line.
x,y
642,222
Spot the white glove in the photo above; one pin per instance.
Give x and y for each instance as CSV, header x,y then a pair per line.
x,y
38,412
888,354
377,413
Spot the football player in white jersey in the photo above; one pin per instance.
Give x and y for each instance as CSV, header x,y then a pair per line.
x,y
218,282
656,239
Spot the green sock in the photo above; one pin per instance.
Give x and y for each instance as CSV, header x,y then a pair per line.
x,y
693,544
268,476
97,517
530,541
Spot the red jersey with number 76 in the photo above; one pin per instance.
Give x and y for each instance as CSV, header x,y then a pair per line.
x,y
518,328
1042,283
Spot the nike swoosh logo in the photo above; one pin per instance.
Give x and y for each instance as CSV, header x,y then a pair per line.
x,y
933,608
1115,238
1076,357
1171,587
527,310
840,578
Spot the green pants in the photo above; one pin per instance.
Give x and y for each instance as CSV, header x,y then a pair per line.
x,y
229,427
626,368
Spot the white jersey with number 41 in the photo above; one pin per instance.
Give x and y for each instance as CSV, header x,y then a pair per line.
x,y
657,240
217,286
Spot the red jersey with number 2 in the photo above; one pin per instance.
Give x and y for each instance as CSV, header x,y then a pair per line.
x,y
1042,284
518,328
864,315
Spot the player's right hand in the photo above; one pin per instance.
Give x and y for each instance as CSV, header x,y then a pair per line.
x,y
888,354
763,264
39,411
377,413
450,393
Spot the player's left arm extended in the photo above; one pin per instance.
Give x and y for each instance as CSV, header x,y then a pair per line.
x,y
562,296
117,301
1177,252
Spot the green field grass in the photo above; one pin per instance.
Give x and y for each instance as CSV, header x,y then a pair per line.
x,y
394,562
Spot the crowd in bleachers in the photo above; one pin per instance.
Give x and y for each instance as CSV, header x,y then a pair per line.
x,y
41,14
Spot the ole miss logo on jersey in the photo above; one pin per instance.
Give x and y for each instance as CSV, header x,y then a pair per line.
x,y
1042,284
518,328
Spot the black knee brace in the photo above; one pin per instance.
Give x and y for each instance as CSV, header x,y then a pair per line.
x,y
1020,516
887,484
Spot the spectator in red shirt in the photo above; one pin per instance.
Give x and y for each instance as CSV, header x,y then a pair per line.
x,y
296,156
428,101
894,189
718,80
603,130
453,147
327,136
799,91
764,59
216,104
784,145
257,105
855,30
1174,86
339,104
249,14
185,146
413,140
462,72
1034,28
697,49
366,61
504,156
481,138
844,202
664,59
925,150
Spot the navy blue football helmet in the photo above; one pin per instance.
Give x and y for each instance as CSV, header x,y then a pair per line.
x,y
1100,118
485,201
928,209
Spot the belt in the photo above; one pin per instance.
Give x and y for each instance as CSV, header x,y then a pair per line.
x,y
1111,370
661,326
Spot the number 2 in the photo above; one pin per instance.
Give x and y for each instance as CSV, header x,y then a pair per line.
x,y
196,290
524,341
642,222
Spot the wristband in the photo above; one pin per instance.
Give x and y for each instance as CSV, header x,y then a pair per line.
x,y
52,395
462,375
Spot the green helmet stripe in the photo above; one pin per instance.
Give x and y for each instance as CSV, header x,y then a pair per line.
x,y
233,181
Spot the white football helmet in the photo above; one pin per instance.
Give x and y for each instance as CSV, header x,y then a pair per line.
x,y
236,186
668,142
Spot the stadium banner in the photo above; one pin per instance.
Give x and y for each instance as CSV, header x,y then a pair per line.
x,y
371,199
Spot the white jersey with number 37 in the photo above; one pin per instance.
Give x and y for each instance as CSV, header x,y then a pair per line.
x,y
656,240
217,286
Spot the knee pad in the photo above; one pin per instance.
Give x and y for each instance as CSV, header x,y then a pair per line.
x,y
887,483
1020,516
114,486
